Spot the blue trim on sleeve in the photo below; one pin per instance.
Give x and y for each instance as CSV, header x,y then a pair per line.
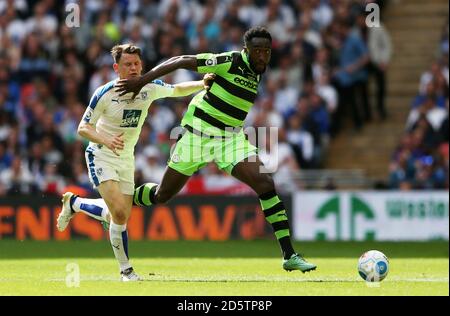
x,y
101,92
162,83
159,82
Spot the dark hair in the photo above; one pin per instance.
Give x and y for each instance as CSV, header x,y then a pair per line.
x,y
257,31
118,50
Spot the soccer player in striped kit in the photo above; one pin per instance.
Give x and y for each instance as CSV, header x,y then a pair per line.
x,y
214,121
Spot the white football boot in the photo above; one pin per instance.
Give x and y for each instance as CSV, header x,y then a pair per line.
x,y
129,275
66,213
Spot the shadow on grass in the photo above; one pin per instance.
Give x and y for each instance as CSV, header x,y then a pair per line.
x,y
12,249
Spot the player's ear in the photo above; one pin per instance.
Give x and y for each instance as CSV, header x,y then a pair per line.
x,y
116,67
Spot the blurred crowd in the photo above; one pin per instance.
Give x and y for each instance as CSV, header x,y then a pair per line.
x,y
421,160
323,57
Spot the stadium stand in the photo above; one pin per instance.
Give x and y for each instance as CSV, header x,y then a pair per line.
x,y
48,72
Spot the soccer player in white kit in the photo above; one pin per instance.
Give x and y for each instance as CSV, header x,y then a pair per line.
x,y
112,124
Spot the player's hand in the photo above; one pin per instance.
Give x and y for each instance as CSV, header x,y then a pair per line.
x,y
124,86
116,143
208,80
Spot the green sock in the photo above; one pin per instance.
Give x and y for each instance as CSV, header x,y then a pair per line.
x,y
275,213
145,195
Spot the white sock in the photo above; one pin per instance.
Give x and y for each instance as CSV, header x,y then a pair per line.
x,y
118,236
95,208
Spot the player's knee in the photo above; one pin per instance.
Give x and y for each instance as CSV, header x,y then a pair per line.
x,y
120,212
120,217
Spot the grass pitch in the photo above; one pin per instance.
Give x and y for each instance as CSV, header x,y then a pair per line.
x,y
217,268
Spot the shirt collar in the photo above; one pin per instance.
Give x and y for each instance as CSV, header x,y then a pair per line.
x,y
245,59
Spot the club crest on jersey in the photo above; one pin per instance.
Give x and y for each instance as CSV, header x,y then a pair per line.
x,y
211,62
176,158
88,115
130,118
99,171
144,95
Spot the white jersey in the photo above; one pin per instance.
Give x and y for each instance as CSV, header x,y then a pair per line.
x,y
112,115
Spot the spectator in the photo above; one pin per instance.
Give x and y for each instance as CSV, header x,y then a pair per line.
x,y
149,164
5,157
380,51
51,183
351,74
34,62
327,92
435,71
36,160
285,95
17,179
18,5
42,23
249,13
47,70
301,141
279,159
430,92
279,19
434,115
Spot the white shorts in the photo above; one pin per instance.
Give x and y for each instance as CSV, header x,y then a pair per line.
x,y
102,167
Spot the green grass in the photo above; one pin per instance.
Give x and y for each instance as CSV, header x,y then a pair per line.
x,y
223,268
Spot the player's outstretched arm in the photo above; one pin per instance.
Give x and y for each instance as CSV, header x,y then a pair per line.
x,y
135,85
190,87
88,131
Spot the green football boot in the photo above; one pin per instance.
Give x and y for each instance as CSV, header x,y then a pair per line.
x,y
297,262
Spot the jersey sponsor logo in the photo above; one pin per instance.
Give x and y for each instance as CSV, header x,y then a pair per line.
x,y
130,118
246,83
253,77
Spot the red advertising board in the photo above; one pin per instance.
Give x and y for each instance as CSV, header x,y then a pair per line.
x,y
184,218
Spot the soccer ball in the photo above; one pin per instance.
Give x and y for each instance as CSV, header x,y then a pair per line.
x,y
373,266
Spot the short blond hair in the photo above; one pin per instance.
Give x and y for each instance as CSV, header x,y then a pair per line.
x,y
118,50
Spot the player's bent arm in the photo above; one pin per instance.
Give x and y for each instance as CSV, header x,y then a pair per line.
x,y
88,131
187,88
134,85
188,62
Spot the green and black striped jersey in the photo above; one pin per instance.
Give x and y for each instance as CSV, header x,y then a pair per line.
x,y
226,105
